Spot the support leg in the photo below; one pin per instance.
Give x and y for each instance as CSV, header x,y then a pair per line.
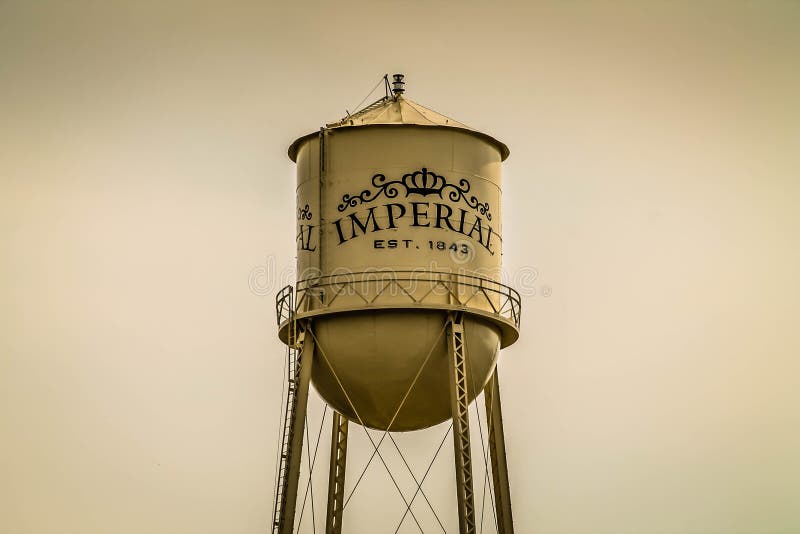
x,y
333,523
293,438
459,403
497,450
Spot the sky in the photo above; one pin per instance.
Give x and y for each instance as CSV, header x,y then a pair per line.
x,y
650,221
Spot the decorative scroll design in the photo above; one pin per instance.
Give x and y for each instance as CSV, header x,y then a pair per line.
x,y
304,213
422,182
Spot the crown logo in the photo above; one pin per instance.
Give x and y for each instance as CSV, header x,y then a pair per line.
x,y
422,182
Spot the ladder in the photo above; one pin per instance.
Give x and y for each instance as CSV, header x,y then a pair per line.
x,y
294,349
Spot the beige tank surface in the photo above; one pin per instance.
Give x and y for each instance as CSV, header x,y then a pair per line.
x,y
398,226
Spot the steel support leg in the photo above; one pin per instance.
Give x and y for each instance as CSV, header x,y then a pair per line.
x,y
333,523
294,451
497,450
459,403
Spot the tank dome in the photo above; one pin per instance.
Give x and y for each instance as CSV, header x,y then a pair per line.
x,y
399,111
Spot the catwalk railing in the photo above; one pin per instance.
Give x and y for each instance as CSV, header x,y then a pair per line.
x,y
398,289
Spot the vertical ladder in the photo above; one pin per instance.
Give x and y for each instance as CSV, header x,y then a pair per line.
x,y
300,354
293,377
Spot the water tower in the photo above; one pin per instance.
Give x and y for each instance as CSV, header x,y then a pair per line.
x,y
398,314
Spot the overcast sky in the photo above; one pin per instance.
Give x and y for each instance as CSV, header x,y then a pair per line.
x,y
651,218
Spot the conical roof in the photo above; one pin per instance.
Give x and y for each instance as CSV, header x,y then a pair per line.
x,y
398,111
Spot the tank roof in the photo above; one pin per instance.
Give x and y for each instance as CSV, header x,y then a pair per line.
x,y
397,111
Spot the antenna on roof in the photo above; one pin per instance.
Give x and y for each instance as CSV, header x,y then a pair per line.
x,y
385,80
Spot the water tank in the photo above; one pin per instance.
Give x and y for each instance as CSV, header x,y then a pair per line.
x,y
399,225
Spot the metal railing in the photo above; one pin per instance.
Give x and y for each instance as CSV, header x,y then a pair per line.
x,y
284,307
399,289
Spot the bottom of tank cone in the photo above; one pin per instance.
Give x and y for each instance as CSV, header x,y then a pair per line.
x,y
391,367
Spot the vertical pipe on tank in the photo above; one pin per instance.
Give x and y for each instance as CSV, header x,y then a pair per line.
x,y
320,258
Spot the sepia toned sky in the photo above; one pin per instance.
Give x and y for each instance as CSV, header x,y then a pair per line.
x,y
650,218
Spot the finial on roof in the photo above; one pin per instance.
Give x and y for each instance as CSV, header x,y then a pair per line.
x,y
397,84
